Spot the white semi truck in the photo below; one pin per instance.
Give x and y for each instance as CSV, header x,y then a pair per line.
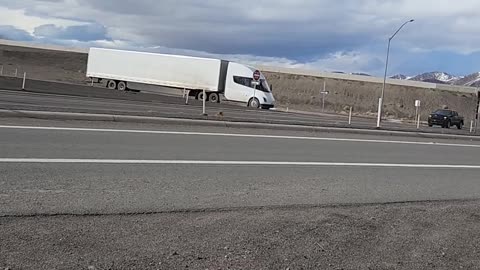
x,y
118,69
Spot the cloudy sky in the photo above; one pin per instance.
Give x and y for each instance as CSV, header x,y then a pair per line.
x,y
330,35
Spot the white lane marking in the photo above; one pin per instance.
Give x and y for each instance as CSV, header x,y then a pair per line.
x,y
238,135
235,163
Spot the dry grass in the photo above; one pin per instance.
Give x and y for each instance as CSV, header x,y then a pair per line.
x,y
303,92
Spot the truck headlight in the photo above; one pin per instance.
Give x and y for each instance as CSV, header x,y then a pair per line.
x,y
445,118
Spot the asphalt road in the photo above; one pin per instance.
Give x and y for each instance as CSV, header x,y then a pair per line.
x,y
174,107
79,168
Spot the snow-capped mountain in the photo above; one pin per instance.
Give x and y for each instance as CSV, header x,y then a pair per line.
x,y
436,77
400,77
472,80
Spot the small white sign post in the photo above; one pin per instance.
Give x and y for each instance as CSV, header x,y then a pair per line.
x,y
418,103
324,94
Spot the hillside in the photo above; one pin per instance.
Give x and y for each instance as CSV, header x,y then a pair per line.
x,y
472,80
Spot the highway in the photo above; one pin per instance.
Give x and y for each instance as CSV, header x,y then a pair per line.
x,y
55,167
174,107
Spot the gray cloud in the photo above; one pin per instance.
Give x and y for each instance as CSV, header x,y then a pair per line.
x,y
88,32
320,33
13,33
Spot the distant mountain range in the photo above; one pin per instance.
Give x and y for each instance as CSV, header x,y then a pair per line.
x,y
472,80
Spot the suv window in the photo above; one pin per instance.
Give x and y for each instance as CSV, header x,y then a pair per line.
x,y
444,112
245,81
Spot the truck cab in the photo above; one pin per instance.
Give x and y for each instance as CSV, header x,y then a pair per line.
x,y
240,86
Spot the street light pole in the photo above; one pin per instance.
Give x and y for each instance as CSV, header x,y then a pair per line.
x,y
382,97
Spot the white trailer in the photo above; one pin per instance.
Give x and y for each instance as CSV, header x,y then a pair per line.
x,y
217,77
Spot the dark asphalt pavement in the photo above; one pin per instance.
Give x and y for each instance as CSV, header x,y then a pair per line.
x,y
48,187
174,107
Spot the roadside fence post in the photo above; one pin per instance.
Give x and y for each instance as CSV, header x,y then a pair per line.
x,y
418,121
91,82
350,116
24,79
16,72
379,113
184,92
471,126
186,97
204,100
1,70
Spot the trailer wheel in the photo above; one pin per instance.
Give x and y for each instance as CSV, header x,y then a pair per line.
x,y
214,98
200,95
112,85
122,86
254,103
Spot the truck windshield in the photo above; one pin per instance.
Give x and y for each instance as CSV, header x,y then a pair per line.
x,y
245,81
265,85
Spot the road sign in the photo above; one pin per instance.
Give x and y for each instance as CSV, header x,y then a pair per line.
x,y
256,75
417,103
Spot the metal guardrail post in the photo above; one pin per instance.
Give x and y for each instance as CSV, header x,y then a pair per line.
x,y
350,116
24,79
204,99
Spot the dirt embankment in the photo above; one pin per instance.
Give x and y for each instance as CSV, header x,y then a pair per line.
x,y
304,92
293,91
44,64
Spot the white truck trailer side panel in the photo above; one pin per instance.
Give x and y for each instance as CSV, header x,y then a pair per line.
x,y
158,69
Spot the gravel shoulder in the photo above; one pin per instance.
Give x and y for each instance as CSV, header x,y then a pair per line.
x,y
429,235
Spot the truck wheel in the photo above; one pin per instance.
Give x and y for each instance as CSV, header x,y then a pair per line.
x,y
112,85
460,125
214,98
122,86
254,103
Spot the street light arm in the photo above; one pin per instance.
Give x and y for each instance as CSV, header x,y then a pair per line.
x,y
400,29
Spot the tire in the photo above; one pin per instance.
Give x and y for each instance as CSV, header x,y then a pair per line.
x,y
214,98
460,125
430,125
122,86
112,85
254,103
200,95
448,124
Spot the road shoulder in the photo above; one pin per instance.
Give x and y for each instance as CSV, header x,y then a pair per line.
x,y
429,235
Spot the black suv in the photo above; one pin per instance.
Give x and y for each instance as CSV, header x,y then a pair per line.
x,y
446,119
